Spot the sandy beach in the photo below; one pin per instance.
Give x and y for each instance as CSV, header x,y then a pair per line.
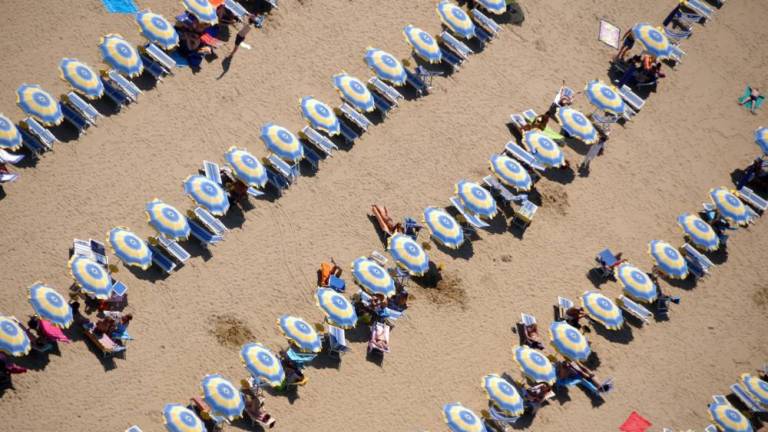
x,y
689,138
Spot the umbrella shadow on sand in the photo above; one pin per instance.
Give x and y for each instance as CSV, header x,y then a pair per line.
x,y
623,335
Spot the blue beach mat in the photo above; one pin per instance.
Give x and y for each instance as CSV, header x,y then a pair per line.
x,y
120,6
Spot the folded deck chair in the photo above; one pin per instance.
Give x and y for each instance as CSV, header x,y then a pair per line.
x,y
126,86
415,80
502,192
747,399
173,249
318,140
212,171
161,260
523,156
116,95
631,98
337,341
104,343
459,48
160,57
530,115
501,419
385,90
43,135
379,258
8,177
10,158
563,304
209,221
204,236
485,22
85,109
700,8
604,120
74,118
451,59
379,341
675,36
467,215
635,309
524,214
751,198
698,264
290,172
354,116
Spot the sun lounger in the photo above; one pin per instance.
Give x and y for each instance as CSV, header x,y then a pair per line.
x,y
487,24
236,9
10,158
563,304
675,36
720,400
631,98
173,249
385,90
502,192
604,120
382,104
85,109
747,399
74,118
127,87
354,116
524,213
116,95
104,343
43,135
417,81
155,69
698,264
159,57
161,260
337,341
517,120
212,171
700,8
501,419
606,260
318,140
8,177
32,144
209,221
635,309
530,115
379,258
676,54
93,249
523,156
277,181
347,132
455,45
134,428
751,198
527,320
290,172
467,215
253,192
379,341
451,59
204,236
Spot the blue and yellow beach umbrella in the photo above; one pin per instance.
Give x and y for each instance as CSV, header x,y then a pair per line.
x,y
602,309
167,220
372,277
701,233
653,39
385,66
569,341
207,194
353,91
461,419
546,151
319,115
91,276
636,283
178,418
729,419
503,394
761,138
157,29
202,9
729,206
443,227
262,363
81,77
129,247
577,125
281,142
246,167
668,259
476,199
757,387
222,396
50,305
38,103
423,44
534,365
121,55
456,19
13,339
510,172
604,97
300,333
337,309
494,6
408,254
10,138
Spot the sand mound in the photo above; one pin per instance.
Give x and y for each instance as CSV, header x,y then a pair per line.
x,y
554,197
230,332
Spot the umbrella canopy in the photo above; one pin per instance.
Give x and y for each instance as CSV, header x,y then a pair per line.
x,y
456,19
668,259
408,254
602,309
494,6
337,309
13,339
510,172
503,394
636,283
10,138
38,103
476,199
129,247
372,277
534,365
262,363
461,419
81,77
423,44
319,115
569,341
577,125
121,55
354,92
178,418
757,387
91,276
300,333
729,206
761,138
50,305
443,227
281,142
167,220
653,39
728,418
546,151
157,29
604,97
385,66
701,234
207,193
224,398
246,167
202,9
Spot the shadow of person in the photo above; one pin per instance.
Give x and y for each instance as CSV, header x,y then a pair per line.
x,y
225,65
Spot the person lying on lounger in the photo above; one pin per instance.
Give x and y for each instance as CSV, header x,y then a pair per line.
x,y
536,395
530,336
254,404
573,315
327,271
570,370
293,374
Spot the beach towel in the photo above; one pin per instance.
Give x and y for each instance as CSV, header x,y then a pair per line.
x,y
52,332
120,6
181,61
635,423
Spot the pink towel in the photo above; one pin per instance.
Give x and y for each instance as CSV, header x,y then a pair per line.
x,y
52,332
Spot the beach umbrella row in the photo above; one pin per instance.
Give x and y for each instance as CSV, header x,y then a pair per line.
x,y
475,198
373,278
10,137
456,19
544,149
385,66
